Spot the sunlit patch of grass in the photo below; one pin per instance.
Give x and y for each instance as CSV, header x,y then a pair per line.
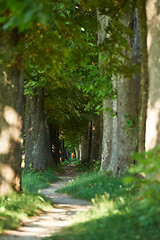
x,y
115,214
33,181
89,184
15,208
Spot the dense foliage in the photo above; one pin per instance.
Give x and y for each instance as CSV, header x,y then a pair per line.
x,y
68,71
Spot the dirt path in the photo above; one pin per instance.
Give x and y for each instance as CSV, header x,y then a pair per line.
x,y
48,223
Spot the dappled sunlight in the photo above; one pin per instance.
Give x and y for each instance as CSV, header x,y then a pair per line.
x,y
4,142
12,117
151,125
6,174
151,10
149,41
8,178
41,226
6,81
12,132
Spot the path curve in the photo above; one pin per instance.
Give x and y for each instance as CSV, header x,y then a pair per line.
x,y
62,215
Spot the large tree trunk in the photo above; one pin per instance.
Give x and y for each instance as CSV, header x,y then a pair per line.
x,y
144,73
125,135
107,134
112,159
119,132
11,107
153,44
35,132
107,103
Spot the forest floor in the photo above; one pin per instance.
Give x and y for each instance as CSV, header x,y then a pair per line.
x,y
63,213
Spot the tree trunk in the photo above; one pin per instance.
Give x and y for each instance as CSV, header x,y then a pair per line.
x,y
35,132
11,107
91,142
48,148
97,138
54,139
125,136
144,73
77,152
107,103
107,134
85,149
153,44
112,161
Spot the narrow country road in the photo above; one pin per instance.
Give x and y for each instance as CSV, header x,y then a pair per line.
x,y
63,212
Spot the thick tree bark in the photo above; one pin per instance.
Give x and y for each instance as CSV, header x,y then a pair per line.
x,y
107,134
112,161
35,132
125,135
11,107
153,45
120,139
107,103
144,73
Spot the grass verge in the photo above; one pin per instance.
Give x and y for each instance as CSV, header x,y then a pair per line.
x,y
116,212
89,184
33,181
16,208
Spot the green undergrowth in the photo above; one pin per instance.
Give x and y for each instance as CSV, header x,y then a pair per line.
x,y
69,161
130,212
89,184
117,211
33,181
77,163
15,208
113,227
